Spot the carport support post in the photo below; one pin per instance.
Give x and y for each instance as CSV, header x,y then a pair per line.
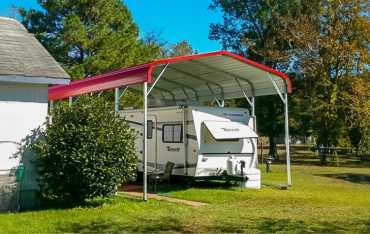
x,y
253,106
145,145
284,99
116,100
253,100
70,101
287,144
51,106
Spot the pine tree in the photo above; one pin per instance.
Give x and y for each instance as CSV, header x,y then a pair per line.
x,y
88,36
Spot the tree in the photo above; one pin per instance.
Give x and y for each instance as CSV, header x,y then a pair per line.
x,y
86,152
354,109
331,50
88,36
254,29
301,117
320,42
154,39
180,49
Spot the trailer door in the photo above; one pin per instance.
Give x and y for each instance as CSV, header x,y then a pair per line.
x,y
172,147
152,142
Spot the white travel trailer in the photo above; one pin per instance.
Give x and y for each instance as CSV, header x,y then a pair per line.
x,y
201,141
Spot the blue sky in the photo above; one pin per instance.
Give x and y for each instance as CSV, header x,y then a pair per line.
x,y
173,20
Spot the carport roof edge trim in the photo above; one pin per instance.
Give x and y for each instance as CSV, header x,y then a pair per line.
x,y
143,73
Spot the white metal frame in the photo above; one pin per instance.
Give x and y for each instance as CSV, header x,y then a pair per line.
x,y
118,94
250,99
284,99
146,93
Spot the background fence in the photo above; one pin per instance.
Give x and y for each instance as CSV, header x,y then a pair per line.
x,y
310,154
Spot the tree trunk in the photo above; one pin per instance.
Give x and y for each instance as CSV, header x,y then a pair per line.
x,y
323,159
272,148
323,153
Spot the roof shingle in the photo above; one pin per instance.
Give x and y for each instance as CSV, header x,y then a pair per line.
x,y
21,54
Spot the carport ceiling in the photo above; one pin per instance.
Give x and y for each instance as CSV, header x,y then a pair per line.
x,y
222,75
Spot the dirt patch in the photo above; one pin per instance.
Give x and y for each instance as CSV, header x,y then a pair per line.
x,y
136,191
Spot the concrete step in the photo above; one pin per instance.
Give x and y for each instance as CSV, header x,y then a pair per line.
x,y
8,193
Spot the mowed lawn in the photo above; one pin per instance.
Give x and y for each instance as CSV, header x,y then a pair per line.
x,y
322,199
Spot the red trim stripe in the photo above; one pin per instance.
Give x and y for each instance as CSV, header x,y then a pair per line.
x,y
106,81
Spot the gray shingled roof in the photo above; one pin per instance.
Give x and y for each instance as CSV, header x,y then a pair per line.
x,y
23,58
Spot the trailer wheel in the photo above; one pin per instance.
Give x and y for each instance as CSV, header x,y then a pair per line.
x,y
189,181
228,182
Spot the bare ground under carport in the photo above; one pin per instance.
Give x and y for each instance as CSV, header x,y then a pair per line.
x,y
136,192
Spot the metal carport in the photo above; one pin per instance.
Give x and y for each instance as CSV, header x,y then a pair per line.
x,y
214,76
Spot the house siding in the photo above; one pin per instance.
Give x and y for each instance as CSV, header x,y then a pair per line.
x,y
23,107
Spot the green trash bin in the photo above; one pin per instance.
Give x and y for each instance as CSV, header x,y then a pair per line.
x,y
19,173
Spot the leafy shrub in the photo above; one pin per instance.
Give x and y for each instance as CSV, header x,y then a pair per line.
x,y
85,152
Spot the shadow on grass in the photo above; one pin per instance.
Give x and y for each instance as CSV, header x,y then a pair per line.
x,y
276,186
269,225
141,225
170,224
60,205
367,227
351,177
181,186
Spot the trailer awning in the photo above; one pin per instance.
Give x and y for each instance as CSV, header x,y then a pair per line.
x,y
219,75
222,130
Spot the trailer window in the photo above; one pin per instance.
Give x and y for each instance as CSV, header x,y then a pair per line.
x,y
150,129
172,133
209,139
210,145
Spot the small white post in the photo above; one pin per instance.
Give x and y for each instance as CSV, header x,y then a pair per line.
x,y
70,101
287,146
145,148
51,107
116,100
254,113
253,106
255,140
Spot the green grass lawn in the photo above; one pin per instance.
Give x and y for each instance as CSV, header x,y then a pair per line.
x,y
322,199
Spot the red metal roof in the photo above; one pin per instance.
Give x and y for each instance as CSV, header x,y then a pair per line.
x,y
144,73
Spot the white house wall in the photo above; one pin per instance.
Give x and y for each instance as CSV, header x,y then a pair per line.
x,y
23,107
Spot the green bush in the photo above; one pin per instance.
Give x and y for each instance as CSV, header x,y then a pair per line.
x,y
85,152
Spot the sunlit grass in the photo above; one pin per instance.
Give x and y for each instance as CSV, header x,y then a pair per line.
x,y
320,200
